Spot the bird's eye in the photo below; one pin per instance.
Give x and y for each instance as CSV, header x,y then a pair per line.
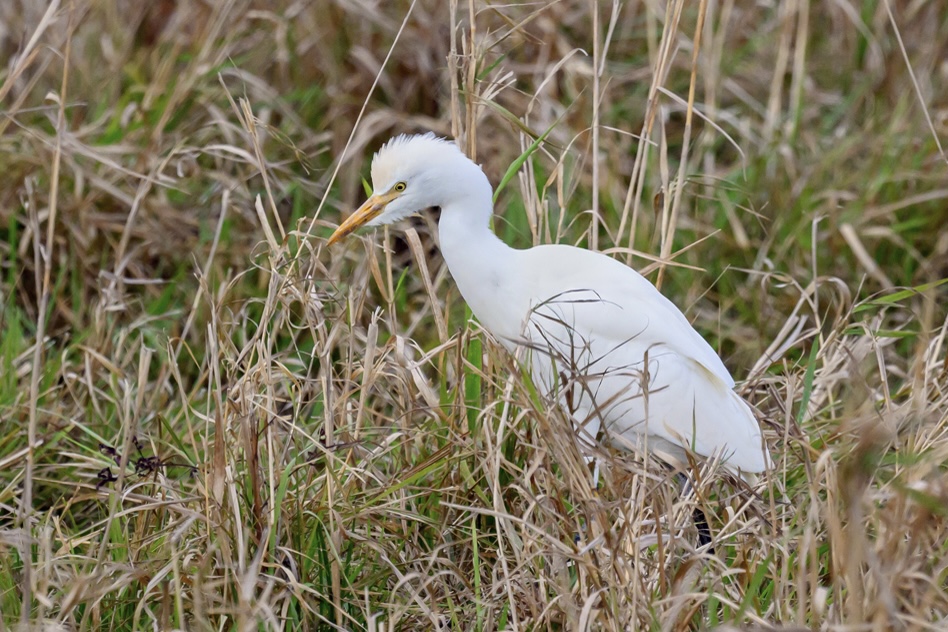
x,y
399,187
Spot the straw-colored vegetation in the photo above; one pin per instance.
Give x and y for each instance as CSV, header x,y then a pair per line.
x,y
210,421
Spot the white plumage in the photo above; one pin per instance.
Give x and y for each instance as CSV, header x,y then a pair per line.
x,y
600,338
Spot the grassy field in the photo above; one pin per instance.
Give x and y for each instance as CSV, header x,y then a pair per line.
x,y
211,421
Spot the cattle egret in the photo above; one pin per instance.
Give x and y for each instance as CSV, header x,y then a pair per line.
x,y
597,336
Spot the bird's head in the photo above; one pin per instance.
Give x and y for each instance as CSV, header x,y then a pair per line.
x,y
412,173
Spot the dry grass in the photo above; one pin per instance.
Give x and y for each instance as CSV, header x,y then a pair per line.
x,y
210,421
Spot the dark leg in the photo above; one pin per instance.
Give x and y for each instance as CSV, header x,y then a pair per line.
x,y
698,516
704,533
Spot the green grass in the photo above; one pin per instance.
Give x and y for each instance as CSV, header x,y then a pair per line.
x,y
317,438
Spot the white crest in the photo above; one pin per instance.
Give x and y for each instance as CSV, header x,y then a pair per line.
x,y
409,154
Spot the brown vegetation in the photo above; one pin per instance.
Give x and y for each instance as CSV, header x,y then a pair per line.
x,y
208,420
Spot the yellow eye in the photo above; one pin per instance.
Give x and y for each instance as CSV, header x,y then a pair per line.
x,y
399,187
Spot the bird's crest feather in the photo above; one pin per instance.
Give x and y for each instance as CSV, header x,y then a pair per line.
x,y
402,153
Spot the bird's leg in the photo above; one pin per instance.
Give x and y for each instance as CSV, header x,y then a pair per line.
x,y
704,532
697,515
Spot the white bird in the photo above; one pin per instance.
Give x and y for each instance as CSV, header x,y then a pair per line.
x,y
600,338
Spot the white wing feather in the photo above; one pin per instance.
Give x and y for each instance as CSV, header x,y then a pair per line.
x,y
606,320
628,305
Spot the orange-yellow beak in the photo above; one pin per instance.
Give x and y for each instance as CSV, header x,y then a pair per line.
x,y
372,208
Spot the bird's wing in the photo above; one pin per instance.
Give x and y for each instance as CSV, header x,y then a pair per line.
x,y
612,302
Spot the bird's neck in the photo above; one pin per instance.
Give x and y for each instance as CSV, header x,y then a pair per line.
x,y
478,260
467,242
